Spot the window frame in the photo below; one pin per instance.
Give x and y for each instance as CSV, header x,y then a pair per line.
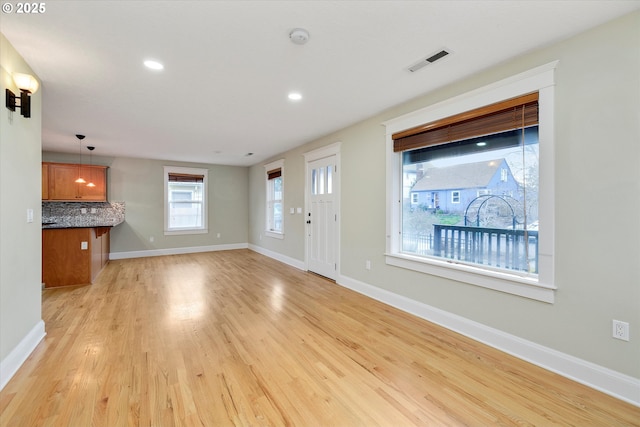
x,y
278,164
542,288
455,196
169,231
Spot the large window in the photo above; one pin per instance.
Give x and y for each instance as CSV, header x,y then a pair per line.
x,y
185,200
483,186
496,152
274,200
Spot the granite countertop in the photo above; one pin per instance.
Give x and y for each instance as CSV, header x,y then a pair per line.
x,y
57,215
81,224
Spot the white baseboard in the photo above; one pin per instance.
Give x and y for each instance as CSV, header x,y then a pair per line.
x,y
608,381
10,364
300,265
176,251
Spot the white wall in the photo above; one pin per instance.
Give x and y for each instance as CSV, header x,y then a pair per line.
x,y
21,327
597,205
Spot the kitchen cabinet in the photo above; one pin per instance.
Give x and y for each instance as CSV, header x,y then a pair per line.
x,y
61,185
45,181
73,256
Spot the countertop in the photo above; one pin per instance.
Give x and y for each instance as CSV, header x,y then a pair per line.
x,y
81,224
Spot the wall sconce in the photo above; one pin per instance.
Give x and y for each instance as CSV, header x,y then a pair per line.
x,y
27,85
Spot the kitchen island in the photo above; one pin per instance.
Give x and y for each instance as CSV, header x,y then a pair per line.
x,y
76,241
73,256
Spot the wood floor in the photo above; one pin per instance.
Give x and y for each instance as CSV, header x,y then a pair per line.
x,y
237,339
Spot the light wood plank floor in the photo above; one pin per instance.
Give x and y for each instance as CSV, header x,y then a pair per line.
x,y
237,339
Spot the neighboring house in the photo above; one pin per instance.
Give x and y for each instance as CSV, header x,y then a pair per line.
x,y
409,177
452,188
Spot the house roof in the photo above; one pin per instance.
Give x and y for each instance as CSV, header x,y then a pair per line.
x,y
468,175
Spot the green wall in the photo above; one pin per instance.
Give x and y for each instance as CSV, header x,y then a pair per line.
x,y
597,200
139,183
20,185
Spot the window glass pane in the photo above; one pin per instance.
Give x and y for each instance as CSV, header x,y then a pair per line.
x,y
277,216
321,181
329,179
474,201
277,188
314,181
185,204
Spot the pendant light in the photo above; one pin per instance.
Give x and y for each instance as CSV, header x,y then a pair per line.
x,y
80,180
90,184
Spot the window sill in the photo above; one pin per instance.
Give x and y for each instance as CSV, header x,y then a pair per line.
x,y
179,232
274,234
500,281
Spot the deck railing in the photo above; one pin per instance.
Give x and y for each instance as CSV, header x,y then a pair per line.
x,y
497,247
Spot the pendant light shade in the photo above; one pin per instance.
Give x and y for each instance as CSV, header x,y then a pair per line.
x,y
90,184
80,180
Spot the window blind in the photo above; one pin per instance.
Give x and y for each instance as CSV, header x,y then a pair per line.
x,y
183,177
507,115
275,173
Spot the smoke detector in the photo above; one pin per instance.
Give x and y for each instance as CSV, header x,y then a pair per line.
x,y
299,35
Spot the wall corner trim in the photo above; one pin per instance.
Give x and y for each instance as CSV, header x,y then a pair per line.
x,y
300,265
14,360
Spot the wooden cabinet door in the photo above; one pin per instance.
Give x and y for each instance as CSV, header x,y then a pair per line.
x,y
97,175
106,246
64,260
45,181
62,185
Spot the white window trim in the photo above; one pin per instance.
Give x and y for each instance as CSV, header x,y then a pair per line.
x,y
542,288
205,201
271,166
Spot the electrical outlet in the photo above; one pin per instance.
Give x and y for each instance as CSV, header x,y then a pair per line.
x,y
620,330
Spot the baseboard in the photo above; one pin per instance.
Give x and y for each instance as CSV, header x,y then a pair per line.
x,y
10,364
608,381
176,251
300,265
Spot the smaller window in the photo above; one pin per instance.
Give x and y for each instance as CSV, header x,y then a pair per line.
x,y
455,197
185,200
504,175
414,198
274,199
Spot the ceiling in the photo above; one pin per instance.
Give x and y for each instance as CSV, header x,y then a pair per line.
x,y
229,66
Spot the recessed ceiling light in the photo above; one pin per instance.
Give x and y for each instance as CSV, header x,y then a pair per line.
x,y
154,65
295,96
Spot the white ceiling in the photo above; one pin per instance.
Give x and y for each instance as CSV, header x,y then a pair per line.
x,y
229,66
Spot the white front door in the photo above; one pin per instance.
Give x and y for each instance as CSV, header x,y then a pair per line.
x,y
322,216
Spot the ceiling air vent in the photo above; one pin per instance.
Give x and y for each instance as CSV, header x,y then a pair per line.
x,y
429,60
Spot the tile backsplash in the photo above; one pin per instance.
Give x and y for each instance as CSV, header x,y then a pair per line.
x,y
82,214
